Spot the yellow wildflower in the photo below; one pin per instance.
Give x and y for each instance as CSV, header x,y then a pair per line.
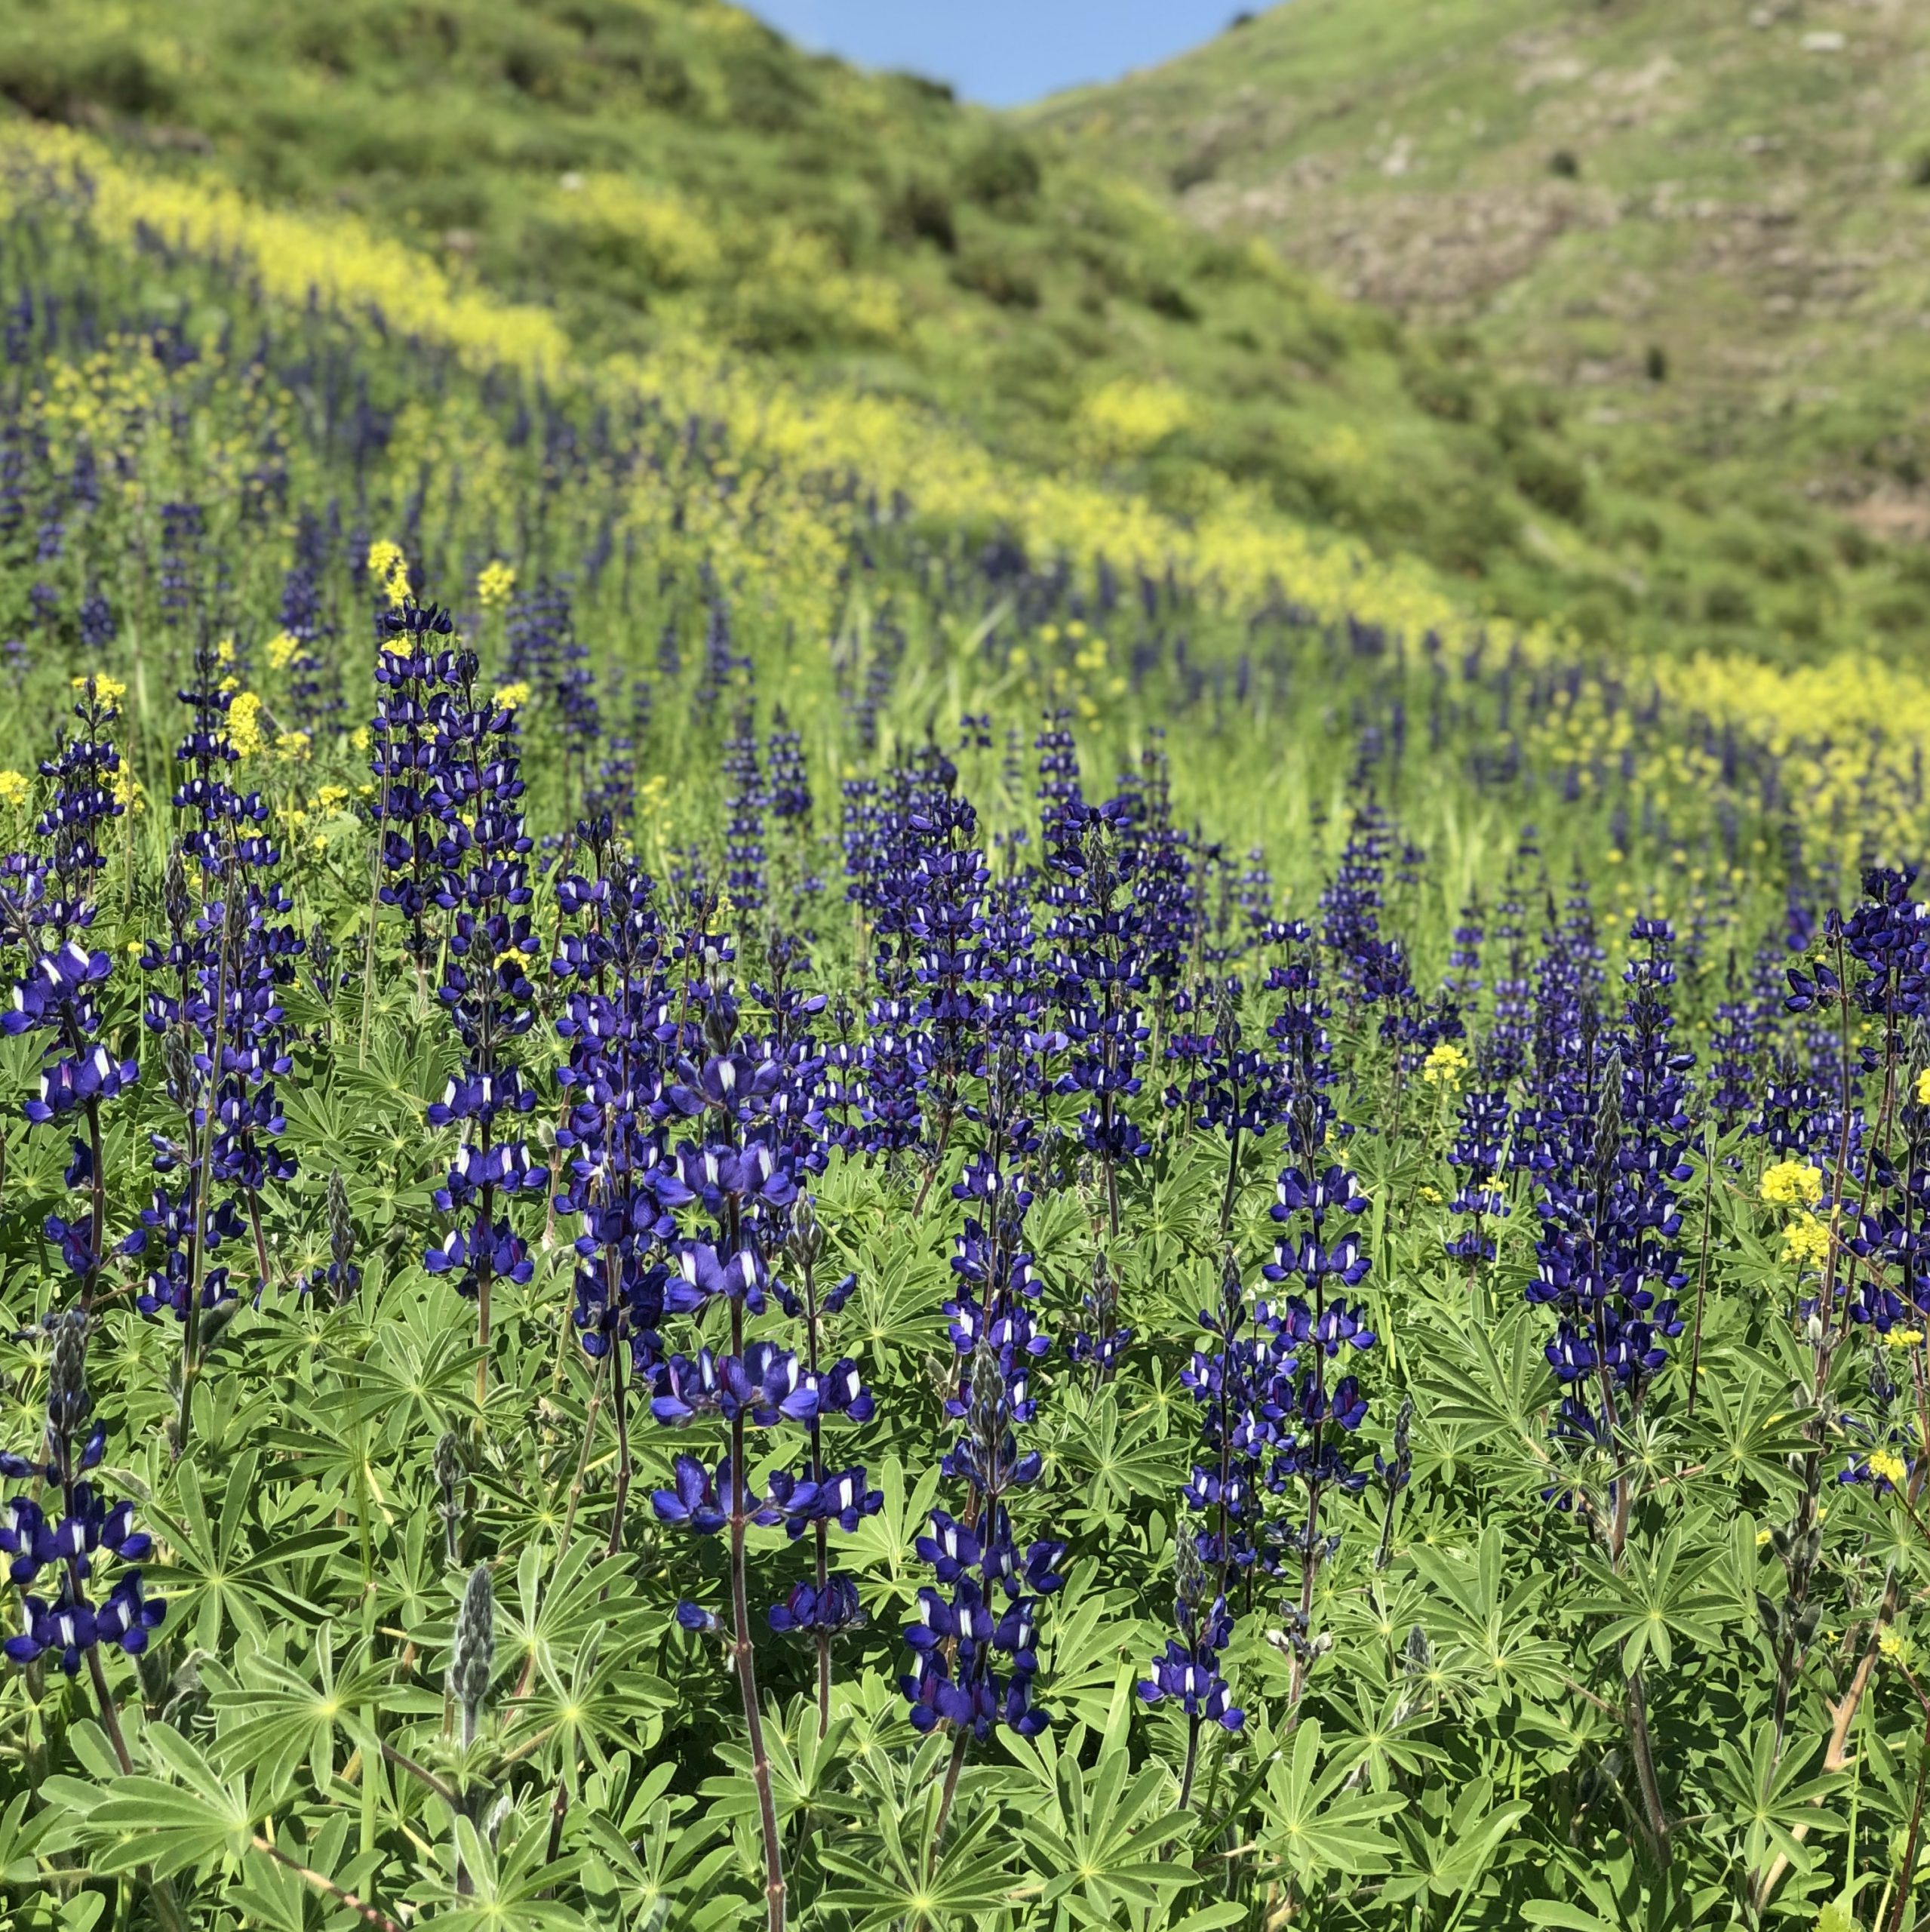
x,y
330,796
244,732
1793,1184
1445,1065
281,649
390,568
224,651
109,691
1806,1240
510,697
1903,1338
494,583
13,789
127,790
292,744
1893,1644
1923,1087
1887,1465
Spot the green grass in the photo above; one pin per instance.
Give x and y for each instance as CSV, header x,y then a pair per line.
x,y
664,172
1702,235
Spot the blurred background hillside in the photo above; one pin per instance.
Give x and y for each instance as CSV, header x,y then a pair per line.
x,y
1611,312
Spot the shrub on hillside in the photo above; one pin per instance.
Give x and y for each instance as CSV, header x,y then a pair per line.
x,y
920,211
1003,173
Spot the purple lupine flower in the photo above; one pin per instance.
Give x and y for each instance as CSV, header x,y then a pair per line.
x,y
472,787
1607,1137
47,906
1099,964
214,999
66,1625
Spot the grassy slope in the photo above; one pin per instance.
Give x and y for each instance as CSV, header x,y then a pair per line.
x,y
664,168
1569,187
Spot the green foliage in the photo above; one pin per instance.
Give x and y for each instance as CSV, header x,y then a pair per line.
x,y
1541,185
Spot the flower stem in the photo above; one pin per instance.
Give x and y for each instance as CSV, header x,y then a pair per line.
x,y
741,1651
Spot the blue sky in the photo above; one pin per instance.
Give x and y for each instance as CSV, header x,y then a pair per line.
x,y
1002,52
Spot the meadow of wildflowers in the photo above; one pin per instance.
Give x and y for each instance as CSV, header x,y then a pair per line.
x,y
754,1176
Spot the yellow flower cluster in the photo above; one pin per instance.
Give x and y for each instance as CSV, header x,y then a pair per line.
x,y
245,730
1888,1464
1844,730
1445,1065
677,243
1126,418
495,582
107,691
1923,1088
1806,1241
510,697
390,568
14,789
281,649
1791,1184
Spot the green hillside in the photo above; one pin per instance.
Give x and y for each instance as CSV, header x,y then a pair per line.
x,y
661,173
1702,224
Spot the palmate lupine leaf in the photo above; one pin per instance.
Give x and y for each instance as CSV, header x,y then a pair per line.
x,y
1094,1644
266,1893
1602,1890
806,1771
1380,1736
889,1886
1494,1621
1451,1859
1116,1461
414,1383
1098,1841
193,1820
605,1695
1494,1377
1310,1823
273,1716
37,1901
1744,1430
406,1071
882,1549
895,1317
1767,1798
1655,1601
336,1454
555,1608
511,1885
663,1869
213,1572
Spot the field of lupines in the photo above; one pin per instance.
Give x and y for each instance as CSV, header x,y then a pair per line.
x,y
727,1199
